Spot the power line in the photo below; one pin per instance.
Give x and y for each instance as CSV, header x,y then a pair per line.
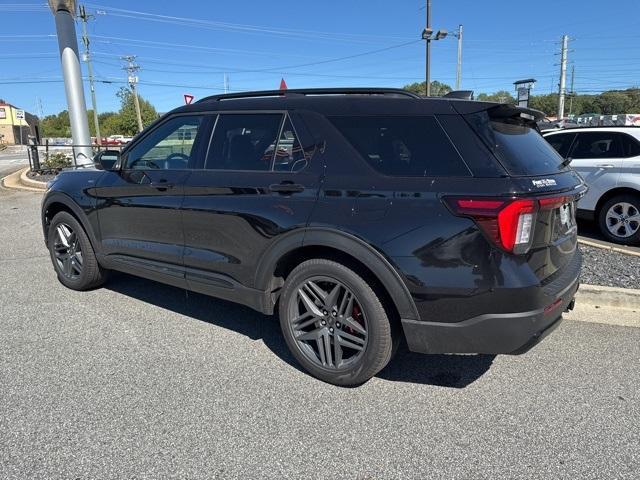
x,y
238,27
182,46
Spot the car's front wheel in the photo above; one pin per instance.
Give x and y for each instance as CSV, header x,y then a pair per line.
x,y
334,323
72,254
619,219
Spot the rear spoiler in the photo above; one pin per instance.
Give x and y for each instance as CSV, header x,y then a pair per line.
x,y
498,110
461,94
509,111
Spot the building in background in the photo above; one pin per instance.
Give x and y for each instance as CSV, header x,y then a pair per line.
x,y
15,130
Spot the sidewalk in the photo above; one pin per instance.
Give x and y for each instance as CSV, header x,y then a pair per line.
x,y
584,312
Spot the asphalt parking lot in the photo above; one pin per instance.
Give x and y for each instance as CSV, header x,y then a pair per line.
x,y
141,380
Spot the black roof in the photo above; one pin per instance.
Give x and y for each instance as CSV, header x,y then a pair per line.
x,y
338,101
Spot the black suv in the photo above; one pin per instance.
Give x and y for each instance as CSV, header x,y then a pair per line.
x,y
359,214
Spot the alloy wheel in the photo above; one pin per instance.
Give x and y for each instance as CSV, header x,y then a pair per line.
x,y
623,219
67,251
328,323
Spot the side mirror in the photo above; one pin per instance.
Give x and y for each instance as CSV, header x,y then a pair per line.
x,y
107,159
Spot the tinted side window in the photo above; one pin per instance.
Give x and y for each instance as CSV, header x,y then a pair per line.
x,y
630,146
167,147
402,146
244,142
561,142
597,145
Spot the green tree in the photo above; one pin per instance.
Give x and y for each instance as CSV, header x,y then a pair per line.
x,y
108,123
56,125
127,120
612,103
501,96
438,89
545,103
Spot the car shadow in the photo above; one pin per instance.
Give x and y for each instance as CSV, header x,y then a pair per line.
x,y
454,371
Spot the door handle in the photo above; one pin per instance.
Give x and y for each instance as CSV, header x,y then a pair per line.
x,y
605,165
162,185
286,187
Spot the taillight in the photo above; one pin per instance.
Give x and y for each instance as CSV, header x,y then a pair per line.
x,y
508,223
551,203
516,225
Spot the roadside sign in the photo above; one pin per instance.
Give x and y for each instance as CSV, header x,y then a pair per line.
x,y
20,114
523,96
188,98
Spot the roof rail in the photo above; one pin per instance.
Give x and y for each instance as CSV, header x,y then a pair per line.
x,y
393,92
580,126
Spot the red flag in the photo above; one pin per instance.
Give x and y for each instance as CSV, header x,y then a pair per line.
x,y
283,84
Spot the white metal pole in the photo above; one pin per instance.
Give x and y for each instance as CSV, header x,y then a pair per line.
x,y
74,89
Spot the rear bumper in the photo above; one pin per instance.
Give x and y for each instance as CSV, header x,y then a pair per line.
x,y
512,333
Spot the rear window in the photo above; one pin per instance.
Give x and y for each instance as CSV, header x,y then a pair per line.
x,y
516,143
413,146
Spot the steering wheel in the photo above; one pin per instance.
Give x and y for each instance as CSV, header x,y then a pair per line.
x,y
177,156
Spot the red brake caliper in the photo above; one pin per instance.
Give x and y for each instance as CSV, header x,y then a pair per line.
x,y
356,314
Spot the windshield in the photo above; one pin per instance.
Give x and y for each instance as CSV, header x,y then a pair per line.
x,y
516,143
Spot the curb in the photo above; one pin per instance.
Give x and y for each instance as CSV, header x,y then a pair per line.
x,y
28,182
596,295
589,243
14,181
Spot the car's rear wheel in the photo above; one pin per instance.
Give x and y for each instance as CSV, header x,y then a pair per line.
x,y
334,323
72,254
619,219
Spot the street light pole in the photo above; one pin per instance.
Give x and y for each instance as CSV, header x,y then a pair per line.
x,y
459,66
63,11
428,52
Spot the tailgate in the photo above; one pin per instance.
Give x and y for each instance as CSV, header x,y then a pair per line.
x,y
555,237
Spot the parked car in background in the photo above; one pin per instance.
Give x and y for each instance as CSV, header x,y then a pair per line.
x,y
546,124
360,215
115,140
608,158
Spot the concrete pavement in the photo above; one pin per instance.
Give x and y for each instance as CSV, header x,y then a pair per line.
x,y
142,380
12,159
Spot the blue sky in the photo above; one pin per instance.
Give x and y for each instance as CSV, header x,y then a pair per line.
x,y
258,42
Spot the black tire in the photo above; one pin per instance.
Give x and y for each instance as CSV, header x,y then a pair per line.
x,y
83,275
371,315
603,221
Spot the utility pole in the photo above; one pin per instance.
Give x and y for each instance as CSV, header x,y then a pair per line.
x,y
39,107
131,69
428,30
573,73
226,83
87,58
459,66
563,76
